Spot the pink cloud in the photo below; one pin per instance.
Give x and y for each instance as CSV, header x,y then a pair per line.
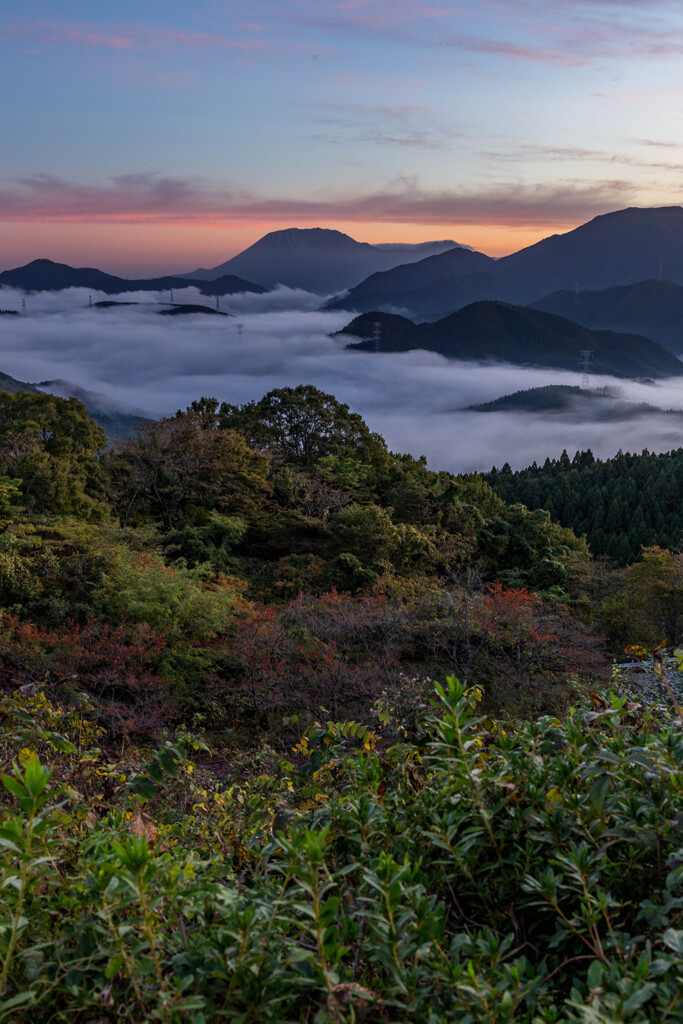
x,y
515,51
150,199
580,32
514,153
49,34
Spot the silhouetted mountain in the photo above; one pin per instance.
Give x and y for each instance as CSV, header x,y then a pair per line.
x,y
316,259
44,275
112,303
440,282
549,398
653,308
392,328
516,334
600,405
182,309
615,249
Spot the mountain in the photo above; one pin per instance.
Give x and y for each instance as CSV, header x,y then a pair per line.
x,y
182,309
653,308
614,249
8,383
316,259
420,249
118,420
391,328
516,334
600,405
44,275
618,248
446,278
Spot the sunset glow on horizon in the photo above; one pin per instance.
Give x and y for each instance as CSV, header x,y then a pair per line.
x,y
171,137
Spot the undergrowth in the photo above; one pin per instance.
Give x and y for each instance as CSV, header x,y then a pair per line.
x,y
494,873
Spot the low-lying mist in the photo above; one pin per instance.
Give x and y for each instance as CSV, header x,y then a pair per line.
x,y
415,399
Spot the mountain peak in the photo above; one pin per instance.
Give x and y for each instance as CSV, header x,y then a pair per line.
x,y
305,239
321,260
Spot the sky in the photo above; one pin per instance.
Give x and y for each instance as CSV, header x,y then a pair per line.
x,y
165,135
154,365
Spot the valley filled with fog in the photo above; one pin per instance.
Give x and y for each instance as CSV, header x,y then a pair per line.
x,y
154,365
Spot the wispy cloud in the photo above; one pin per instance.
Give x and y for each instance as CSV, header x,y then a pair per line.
x,y
576,33
147,198
385,125
52,34
516,51
579,32
533,152
658,143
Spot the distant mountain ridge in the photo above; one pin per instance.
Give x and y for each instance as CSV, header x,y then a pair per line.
x,y
502,332
599,405
619,248
318,260
425,281
653,308
45,275
116,420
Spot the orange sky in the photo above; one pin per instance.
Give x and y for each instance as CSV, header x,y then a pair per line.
x,y
130,249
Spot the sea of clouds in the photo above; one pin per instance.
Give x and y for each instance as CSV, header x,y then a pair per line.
x,y
156,365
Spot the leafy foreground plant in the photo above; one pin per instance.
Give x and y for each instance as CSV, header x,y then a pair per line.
x,y
532,875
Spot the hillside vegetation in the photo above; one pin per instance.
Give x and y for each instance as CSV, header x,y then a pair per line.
x,y
620,504
232,788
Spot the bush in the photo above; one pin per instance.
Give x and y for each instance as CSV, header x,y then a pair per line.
x,y
530,876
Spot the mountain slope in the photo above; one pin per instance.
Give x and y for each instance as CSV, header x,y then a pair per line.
x,y
44,275
391,328
117,420
599,405
653,308
516,334
8,383
614,249
316,259
447,278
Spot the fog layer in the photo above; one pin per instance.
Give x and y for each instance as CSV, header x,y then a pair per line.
x,y
415,399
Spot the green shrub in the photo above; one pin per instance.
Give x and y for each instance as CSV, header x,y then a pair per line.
x,y
530,876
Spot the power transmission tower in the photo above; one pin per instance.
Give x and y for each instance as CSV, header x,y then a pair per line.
x,y
218,304
585,367
240,328
376,335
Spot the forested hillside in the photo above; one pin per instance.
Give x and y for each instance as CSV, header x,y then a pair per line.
x,y
619,504
236,786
